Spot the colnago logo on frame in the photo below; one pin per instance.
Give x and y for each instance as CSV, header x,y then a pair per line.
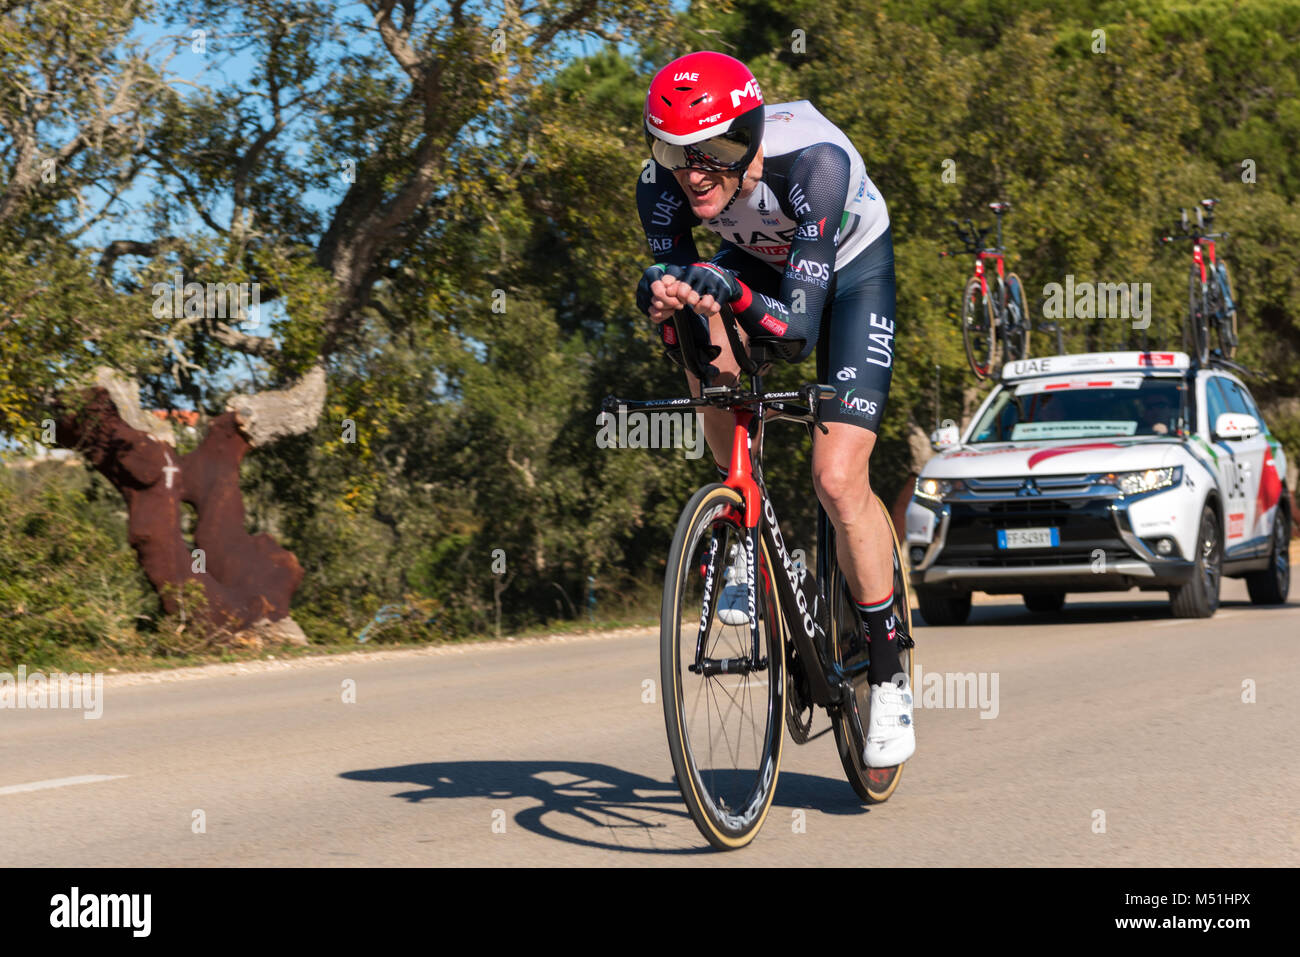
x,y
75,909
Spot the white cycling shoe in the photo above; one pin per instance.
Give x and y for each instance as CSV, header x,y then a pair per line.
x,y
733,605
891,737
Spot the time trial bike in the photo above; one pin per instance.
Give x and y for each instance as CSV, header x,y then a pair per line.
x,y
993,305
1209,292
727,688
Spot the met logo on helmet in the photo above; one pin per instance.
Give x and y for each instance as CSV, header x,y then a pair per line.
x,y
750,89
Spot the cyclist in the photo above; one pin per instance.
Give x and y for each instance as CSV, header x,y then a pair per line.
x,y
806,257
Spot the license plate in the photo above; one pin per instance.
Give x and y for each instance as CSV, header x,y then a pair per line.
x,y
1029,537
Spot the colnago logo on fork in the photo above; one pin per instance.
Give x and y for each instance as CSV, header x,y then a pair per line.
x,y
707,604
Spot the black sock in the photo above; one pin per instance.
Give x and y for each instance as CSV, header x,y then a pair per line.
x,y
878,617
723,471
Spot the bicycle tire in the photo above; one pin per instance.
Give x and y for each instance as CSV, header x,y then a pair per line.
x,y
978,334
1016,345
1197,317
872,785
728,805
1228,340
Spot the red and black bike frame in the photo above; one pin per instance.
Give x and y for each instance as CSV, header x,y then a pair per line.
x,y
805,611
982,274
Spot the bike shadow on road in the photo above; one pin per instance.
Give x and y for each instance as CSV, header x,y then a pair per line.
x,y
596,805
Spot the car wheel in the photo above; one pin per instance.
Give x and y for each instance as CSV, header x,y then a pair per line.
x,y
940,609
1270,586
1045,602
1199,598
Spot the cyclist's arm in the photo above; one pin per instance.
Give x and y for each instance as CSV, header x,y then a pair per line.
x,y
667,219
818,183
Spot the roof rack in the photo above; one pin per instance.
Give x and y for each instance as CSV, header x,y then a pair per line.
x,y
1218,362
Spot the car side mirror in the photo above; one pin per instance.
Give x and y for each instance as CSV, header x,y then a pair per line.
x,y
1236,425
944,438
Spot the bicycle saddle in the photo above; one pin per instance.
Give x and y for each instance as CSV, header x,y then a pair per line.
x,y
1209,203
1000,207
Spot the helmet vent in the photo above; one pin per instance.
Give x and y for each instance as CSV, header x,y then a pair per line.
x,y
699,99
665,99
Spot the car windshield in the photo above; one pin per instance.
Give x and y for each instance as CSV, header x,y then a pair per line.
x,y
1076,407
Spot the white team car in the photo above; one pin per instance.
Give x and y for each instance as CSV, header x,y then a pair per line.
x,y
1100,472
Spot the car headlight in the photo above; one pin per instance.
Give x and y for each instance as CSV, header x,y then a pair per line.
x,y
1147,480
936,489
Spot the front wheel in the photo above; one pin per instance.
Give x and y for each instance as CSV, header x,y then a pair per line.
x,y
872,785
1199,598
723,710
977,331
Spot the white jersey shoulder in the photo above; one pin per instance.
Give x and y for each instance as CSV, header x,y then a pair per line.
x,y
757,224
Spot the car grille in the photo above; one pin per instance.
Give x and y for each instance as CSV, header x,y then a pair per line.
x,y
1083,525
1051,484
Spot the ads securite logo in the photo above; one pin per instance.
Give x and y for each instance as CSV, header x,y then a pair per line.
x,y
811,269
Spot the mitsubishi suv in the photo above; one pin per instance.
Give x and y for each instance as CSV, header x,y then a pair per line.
x,y
1102,472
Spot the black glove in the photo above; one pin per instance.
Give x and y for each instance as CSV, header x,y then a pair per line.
x,y
711,280
650,276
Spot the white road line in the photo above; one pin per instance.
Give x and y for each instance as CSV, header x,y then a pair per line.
x,y
59,783
1183,621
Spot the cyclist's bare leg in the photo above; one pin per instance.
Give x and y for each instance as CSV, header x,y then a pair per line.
x,y
841,459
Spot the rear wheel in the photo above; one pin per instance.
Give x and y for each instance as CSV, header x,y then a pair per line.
x,y
1045,602
872,785
1016,334
1270,586
723,721
1199,598
977,333
939,609
1227,314
1197,317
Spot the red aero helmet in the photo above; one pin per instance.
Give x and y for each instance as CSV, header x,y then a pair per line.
x,y
704,110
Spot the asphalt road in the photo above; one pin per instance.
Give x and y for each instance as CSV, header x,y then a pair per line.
x,y
1121,738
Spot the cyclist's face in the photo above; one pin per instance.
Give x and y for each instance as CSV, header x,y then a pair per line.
x,y
707,190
